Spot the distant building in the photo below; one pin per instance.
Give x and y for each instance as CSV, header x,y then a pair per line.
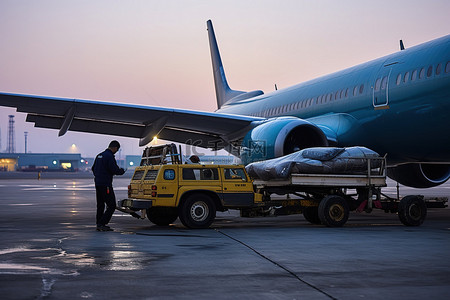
x,y
41,162
132,161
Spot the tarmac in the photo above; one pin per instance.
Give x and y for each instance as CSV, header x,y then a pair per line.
x,y
50,250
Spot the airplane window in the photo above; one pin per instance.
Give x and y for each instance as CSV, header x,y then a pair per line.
x,y
414,75
377,84
342,93
336,95
355,91
438,69
361,89
399,78
405,79
429,71
384,83
346,93
422,73
447,67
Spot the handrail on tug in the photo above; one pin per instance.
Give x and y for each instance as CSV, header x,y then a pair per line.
x,y
161,155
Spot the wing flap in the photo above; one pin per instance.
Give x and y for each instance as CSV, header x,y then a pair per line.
x,y
92,126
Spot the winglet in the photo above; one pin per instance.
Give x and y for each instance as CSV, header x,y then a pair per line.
x,y
402,46
223,91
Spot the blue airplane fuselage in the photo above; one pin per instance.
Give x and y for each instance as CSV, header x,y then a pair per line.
x,y
387,104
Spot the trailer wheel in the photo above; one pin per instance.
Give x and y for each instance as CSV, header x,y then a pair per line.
x,y
198,211
333,211
311,214
412,210
162,216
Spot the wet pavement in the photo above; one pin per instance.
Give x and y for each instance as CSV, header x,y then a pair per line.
x,y
49,249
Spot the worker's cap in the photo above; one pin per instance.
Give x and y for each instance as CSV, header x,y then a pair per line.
x,y
114,144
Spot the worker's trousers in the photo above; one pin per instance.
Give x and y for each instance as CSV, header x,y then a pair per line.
x,y
105,196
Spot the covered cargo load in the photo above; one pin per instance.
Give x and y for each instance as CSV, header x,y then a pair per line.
x,y
319,160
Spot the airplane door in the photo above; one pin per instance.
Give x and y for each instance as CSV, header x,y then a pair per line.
x,y
380,89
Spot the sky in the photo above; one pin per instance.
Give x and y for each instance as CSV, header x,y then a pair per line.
x,y
157,53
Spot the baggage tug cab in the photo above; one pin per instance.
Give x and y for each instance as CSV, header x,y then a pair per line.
x,y
164,188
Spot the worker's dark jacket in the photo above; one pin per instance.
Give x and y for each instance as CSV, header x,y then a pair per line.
x,y
105,167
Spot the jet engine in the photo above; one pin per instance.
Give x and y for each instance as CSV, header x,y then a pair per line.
x,y
280,136
419,175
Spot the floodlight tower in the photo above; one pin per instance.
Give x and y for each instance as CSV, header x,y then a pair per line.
x,y
11,148
26,140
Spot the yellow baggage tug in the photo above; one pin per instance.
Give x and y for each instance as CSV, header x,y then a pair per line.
x,y
163,189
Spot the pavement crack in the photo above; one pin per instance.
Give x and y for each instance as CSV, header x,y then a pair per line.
x,y
277,264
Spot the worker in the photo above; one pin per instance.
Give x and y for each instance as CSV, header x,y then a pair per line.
x,y
104,168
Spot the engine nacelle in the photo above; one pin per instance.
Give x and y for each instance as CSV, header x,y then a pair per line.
x,y
420,175
280,136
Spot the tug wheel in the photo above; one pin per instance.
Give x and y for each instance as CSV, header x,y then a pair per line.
x,y
198,211
412,210
311,214
333,211
162,216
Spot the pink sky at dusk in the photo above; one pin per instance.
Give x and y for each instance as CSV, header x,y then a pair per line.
x,y
156,52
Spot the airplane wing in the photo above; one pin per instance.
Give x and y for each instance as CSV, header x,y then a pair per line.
x,y
204,129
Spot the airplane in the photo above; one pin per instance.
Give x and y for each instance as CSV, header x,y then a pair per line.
x,y
396,105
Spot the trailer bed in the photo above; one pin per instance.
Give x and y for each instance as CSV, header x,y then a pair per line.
x,y
325,180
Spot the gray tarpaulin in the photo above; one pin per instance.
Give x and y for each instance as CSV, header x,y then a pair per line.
x,y
320,160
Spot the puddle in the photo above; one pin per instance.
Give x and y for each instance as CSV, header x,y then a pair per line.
x,y
54,260
22,269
